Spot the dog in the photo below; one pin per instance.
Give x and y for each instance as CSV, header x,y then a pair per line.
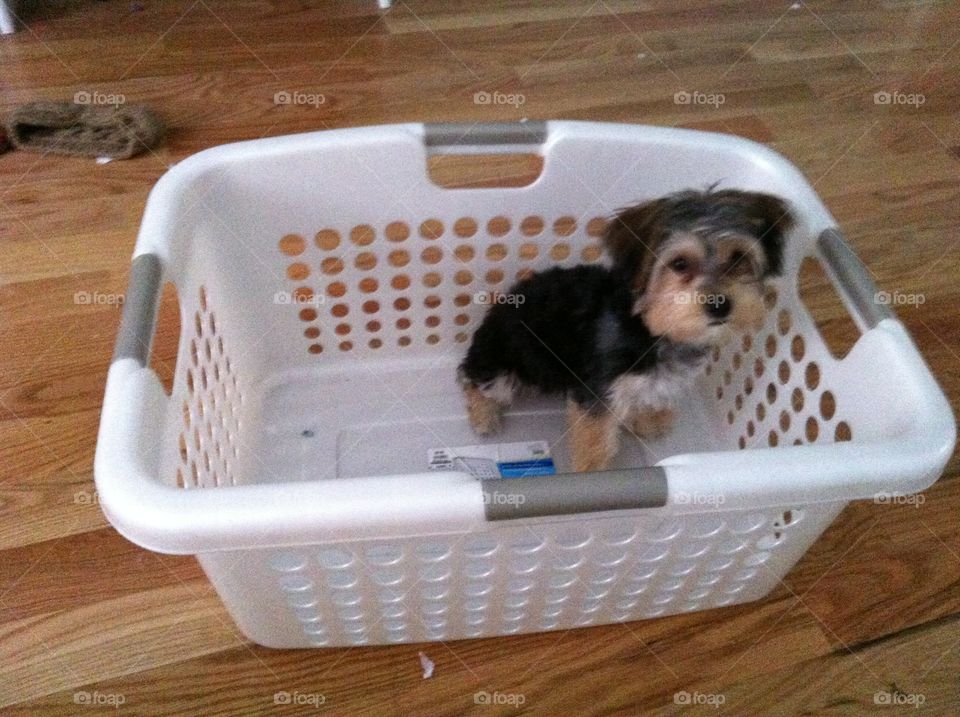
x,y
687,272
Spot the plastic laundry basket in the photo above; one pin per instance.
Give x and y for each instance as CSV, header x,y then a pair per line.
x,y
327,291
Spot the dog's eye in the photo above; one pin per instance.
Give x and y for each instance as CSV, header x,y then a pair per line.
x,y
739,264
681,265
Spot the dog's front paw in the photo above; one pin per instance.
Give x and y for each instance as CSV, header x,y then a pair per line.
x,y
595,460
484,413
593,438
651,423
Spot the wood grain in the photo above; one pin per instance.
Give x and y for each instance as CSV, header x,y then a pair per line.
x,y
871,609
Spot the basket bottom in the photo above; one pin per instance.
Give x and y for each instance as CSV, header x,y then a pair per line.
x,y
384,420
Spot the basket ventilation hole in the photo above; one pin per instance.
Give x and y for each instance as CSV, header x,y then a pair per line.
x,y
565,226
362,235
208,413
292,245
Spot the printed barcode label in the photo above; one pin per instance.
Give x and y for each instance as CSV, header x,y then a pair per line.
x,y
498,460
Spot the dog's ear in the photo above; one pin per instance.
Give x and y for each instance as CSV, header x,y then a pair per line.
x,y
771,219
631,240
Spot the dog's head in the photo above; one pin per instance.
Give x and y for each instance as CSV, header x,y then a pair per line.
x,y
697,262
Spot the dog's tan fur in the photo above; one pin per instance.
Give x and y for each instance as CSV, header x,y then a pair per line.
x,y
651,422
593,438
483,412
672,304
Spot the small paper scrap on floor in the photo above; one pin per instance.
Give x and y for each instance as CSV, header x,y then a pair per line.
x,y
104,160
427,664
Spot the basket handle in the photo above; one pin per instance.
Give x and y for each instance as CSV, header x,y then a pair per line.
x,y
852,278
463,135
139,310
506,499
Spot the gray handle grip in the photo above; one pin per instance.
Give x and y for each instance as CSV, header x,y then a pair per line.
x,y
509,498
463,134
139,310
852,278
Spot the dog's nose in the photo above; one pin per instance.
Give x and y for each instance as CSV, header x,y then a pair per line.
x,y
719,308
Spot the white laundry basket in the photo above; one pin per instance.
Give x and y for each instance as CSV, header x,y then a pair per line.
x,y
327,291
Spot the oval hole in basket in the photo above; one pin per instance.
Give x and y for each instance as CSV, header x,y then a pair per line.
x,y
591,252
796,399
292,245
486,171
166,342
431,229
362,234
531,226
327,239
565,226
843,432
828,405
827,310
498,226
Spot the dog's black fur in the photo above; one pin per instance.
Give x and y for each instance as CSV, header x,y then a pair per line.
x,y
573,333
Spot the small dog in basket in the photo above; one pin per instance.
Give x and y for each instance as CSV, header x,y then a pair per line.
x,y
687,273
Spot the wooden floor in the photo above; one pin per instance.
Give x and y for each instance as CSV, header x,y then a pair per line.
x,y
873,609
